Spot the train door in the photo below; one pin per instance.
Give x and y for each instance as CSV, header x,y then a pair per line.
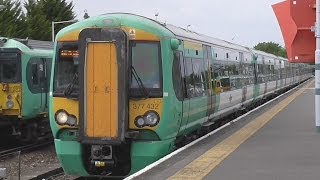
x,y
37,83
103,66
101,80
42,83
45,81
184,102
244,85
212,82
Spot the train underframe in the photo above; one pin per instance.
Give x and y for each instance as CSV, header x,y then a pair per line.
x,y
25,130
103,159
98,160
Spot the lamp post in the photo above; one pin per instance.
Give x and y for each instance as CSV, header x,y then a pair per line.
x,y
60,22
2,7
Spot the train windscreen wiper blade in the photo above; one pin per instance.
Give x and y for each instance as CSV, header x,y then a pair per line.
x,y
69,89
139,82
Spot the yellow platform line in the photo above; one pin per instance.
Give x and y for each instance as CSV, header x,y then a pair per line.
x,y
204,164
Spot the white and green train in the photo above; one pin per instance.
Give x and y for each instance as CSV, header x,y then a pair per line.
x,y
126,89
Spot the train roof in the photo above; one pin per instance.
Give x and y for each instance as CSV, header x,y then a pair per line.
x,y
183,33
159,28
29,43
36,44
264,53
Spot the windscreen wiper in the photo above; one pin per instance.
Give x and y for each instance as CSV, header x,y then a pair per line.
x,y
139,82
69,89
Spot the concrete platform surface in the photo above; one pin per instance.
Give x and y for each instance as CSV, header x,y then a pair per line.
x,y
288,148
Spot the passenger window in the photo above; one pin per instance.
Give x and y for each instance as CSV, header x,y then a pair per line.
x,y
189,78
205,74
35,75
199,78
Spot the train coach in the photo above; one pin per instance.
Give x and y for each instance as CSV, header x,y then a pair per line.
x,y
25,67
125,89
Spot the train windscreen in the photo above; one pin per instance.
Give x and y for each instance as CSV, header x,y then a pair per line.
x,y
66,81
9,68
146,76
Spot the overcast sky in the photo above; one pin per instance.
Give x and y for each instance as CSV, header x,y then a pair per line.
x,y
245,22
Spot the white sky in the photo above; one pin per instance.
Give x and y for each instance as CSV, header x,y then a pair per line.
x,y
245,22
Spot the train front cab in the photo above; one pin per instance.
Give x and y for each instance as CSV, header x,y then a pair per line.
x,y
10,79
23,88
105,125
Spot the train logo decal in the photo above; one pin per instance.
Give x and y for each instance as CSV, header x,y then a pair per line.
x,y
132,34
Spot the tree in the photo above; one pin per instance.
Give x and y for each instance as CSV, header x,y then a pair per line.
x,y
11,19
272,48
57,10
40,14
37,24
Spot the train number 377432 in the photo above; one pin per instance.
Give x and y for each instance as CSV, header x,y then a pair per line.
x,y
145,106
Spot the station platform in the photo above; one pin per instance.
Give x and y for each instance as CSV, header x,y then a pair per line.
x,y
276,142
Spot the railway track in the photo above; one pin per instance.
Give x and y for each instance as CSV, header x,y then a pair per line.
x,y
53,174
23,149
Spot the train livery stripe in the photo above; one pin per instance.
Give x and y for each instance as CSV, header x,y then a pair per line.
x,y
204,164
101,107
71,36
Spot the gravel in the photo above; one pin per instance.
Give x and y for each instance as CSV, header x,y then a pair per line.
x,y
32,163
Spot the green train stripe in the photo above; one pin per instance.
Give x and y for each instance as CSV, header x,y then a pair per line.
x,y
256,91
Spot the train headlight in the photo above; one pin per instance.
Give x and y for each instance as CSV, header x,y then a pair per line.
x,y
72,121
139,122
151,118
61,117
9,104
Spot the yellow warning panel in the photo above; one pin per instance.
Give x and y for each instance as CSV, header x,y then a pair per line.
x,y
102,90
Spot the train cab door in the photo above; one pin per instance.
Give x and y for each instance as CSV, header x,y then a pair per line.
x,y
184,103
44,75
37,84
